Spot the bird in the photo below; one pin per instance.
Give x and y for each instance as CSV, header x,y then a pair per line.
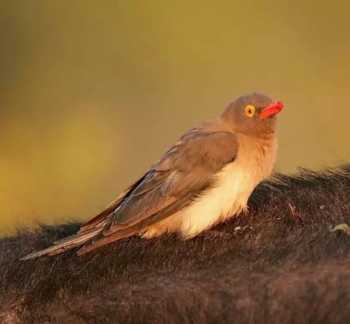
x,y
205,178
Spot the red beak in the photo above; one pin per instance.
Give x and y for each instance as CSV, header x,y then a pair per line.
x,y
271,110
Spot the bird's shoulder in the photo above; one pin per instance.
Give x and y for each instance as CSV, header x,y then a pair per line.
x,y
206,146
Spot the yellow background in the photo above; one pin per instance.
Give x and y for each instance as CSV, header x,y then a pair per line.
x,y
92,92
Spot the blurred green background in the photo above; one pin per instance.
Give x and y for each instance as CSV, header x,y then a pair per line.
x,y
92,92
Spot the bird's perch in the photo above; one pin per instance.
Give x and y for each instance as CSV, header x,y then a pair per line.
x,y
280,263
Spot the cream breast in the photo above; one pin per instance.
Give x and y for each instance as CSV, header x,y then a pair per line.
x,y
234,185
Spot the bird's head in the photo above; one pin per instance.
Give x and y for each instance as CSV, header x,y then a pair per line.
x,y
253,114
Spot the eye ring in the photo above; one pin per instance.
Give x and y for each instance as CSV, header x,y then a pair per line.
x,y
249,111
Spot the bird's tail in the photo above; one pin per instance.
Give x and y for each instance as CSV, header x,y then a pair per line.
x,y
65,244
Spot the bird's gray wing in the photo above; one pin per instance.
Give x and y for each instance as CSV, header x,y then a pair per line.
x,y
184,172
103,217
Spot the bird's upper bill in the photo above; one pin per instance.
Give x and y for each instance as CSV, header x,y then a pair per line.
x,y
271,110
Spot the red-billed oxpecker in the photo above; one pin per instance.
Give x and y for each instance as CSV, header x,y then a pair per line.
x,y
204,179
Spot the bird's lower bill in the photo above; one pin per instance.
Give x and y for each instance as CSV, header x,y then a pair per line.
x,y
271,110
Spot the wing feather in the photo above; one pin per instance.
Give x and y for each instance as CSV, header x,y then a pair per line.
x,y
184,172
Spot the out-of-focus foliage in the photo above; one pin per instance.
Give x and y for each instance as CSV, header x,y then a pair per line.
x,y
92,92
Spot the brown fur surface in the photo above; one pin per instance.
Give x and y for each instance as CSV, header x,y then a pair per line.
x,y
278,264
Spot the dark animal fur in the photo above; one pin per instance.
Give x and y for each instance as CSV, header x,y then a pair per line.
x,y
278,264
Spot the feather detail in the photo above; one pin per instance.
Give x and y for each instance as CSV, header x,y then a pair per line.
x,y
64,245
106,240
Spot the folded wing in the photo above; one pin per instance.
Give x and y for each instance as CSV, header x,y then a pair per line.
x,y
185,171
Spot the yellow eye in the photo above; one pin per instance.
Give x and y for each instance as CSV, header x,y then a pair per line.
x,y
249,110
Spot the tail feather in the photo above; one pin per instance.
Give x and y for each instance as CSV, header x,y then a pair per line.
x,y
78,237
106,240
64,245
